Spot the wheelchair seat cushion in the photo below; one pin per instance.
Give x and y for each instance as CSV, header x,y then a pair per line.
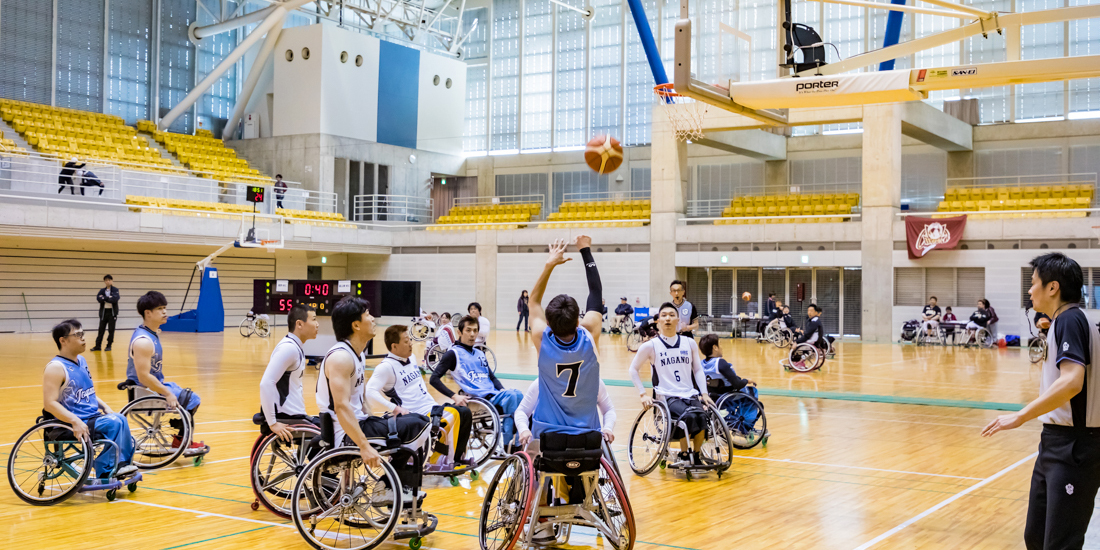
x,y
127,384
570,454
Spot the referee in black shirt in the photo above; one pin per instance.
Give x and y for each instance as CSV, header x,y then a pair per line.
x,y
1067,468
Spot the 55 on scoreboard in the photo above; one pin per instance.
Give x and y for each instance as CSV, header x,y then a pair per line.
x,y
278,296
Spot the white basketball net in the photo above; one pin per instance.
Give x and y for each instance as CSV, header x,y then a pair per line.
x,y
684,113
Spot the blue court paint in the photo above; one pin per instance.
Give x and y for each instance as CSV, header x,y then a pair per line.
x,y
645,34
893,33
398,94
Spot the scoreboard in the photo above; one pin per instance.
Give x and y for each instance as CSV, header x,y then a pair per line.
x,y
278,296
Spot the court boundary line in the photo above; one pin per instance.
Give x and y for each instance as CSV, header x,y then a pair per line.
x,y
789,461
842,396
944,503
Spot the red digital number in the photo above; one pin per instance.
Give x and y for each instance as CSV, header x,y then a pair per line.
x,y
324,289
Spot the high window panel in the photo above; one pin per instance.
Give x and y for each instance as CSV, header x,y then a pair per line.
x,y
607,48
129,65
504,123
538,67
177,59
993,103
876,28
215,106
1045,99
570,122
1084,39
714,67
639,81
942,56
759,20
26,41
80,54
476,50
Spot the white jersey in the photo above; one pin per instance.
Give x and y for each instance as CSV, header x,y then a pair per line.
x,y
324,395
404,379
482,330
673,364
281,384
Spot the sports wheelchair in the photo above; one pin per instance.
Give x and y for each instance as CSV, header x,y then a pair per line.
x,y
777,335
155,427
1037,344
341,503
651,436
743,414
420,329
640,335
434,353
274,463
596,497
482,445
48,464
806,357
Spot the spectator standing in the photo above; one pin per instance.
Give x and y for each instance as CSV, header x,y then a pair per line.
x,y
280,190
108,312
524,312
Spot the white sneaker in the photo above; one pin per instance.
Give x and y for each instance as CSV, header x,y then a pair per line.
x,y
544,533
126,471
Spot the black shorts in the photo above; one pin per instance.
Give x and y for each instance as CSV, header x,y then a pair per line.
x,y
695,420
288,419
410,427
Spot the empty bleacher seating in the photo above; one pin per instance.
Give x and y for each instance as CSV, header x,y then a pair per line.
x,y
601,213
9,145
743,209
231,211
1034,201
67,133
203,152
512,215
326,219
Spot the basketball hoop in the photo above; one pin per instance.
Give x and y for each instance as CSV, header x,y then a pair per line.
x,y
684,113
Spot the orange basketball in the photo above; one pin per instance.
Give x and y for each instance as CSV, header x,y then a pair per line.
x,y
603,154
746,296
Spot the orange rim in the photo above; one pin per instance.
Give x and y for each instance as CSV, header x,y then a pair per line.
x,y
665,90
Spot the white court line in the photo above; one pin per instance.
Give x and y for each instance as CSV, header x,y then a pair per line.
x,y
221,421
949,500
869,419
789,461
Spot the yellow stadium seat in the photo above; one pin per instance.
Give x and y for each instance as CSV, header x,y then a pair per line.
x,y
970,206
951,195
1057,191
943,207
983,206
1042,192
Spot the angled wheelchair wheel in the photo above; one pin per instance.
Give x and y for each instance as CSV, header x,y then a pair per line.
x,y
456,317
484,432
771,333
985,338
1037,350
48,465
419,331
805,357
649,438
340,503
432,356
490,357
263,329
609,455
744,416
784,338
615,508
633,340
718,445
155,428
275,466
507,504
246,328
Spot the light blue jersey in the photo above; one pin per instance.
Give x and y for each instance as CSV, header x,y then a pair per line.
x,y
472,372
710,368
158,354
78,393
569,385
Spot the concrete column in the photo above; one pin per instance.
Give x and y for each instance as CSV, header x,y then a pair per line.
x,y
881,198
777,176
485,274
669,181
960,164
482,167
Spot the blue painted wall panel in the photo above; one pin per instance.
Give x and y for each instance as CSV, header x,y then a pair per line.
x,y
398,94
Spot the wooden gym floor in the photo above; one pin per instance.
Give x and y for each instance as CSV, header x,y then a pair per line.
x,y
881,449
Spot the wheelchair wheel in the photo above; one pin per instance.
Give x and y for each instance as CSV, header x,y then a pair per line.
x,y
634,340
649,438
609,455
48,465
263,329
805,357
154,427
275,466
339,503
718,444
744,416
616,511
507,504
1037,350
485,431
783,338
985,338
419,331
432,356
490,357
456,317
246,328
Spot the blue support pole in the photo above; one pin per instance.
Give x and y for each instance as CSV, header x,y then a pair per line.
x,y
893,33
645,34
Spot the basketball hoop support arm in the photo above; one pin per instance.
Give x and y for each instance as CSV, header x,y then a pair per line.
x,y
701,91
205,262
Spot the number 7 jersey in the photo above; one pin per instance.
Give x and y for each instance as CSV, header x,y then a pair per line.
x,y
569,385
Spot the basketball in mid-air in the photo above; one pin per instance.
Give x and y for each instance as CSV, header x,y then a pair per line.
x,y
746,296
603,154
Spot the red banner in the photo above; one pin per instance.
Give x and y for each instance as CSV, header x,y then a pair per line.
x,y
924,235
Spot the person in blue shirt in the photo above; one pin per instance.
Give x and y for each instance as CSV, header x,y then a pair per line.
x,y
69,396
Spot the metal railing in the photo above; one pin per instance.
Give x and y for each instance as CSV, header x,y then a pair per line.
x,y
392,209
1035,213
824,218
604,196
506,199
1087,178
33,175
702,208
